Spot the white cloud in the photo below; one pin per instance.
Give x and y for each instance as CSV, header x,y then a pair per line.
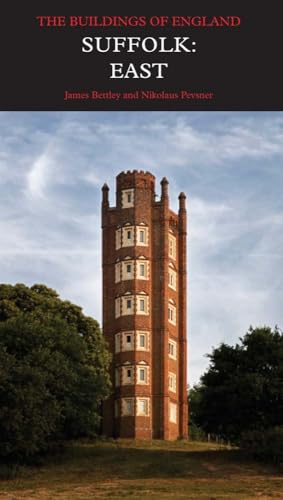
x,y
38,175
235,277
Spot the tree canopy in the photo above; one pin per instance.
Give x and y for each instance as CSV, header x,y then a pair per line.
x,y
242,390
53,371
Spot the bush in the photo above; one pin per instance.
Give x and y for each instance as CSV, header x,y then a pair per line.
x,y
265,445
8,471
196,433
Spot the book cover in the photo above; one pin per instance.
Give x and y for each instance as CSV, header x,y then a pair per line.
x,y
189,93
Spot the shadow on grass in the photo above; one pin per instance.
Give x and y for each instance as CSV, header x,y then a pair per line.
x,y
120,462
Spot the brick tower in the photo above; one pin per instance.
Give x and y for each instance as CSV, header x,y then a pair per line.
x,y
144,310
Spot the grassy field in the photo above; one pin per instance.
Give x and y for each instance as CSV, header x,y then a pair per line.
x,y
135,469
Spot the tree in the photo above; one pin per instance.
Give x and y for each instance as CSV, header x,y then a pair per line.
x,y
242,390
196,433
53,371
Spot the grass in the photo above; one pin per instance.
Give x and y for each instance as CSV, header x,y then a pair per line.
x,y
145,470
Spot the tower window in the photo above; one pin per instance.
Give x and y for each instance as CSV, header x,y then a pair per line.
x,y
127,375
142,236
142,341
172,246
127,198
142,373
127,304
127,341
172,278
172,382
127,270
142,270
172,314
142,304
127,407
172,349
143,407
173,413
128,236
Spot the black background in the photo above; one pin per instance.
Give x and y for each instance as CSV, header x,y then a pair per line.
x,y
241,66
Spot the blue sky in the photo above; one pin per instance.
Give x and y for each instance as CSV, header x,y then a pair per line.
x,y
230,165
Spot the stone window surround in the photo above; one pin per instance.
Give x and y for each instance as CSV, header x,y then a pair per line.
x,y
172,313
124,404
129,374
172,277
128,197
123,274
122,238
172,412
172,381
121,344
130,304
172,349
172,246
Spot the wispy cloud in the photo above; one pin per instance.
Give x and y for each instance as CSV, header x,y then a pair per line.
x,y
38,175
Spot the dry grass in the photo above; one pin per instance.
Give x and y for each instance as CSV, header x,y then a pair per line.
x,y
141,470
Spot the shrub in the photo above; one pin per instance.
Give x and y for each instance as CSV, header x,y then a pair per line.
x,y
265,445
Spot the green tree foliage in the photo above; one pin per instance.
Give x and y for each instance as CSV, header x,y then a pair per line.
x,y
196,433
53,371
266,445
242,391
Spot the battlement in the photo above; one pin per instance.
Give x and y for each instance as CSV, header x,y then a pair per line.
x,y
130,172
135,179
